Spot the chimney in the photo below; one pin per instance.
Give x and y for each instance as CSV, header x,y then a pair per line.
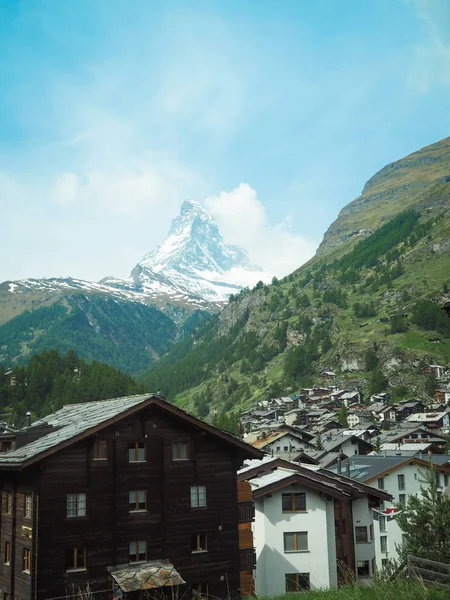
x,y
28,419
339,465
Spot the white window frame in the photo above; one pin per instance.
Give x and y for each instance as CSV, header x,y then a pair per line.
x,y
198,496
76,505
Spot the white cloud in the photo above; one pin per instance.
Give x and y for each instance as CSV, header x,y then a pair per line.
x,y
243,220
431,61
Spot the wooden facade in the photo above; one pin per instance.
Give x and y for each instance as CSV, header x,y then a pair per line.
x,y
71,546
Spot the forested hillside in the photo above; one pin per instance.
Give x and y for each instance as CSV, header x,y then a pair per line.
x,y
50,379
128,335
369,310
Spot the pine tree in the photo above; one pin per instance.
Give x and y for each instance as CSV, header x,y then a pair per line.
x,y
426,521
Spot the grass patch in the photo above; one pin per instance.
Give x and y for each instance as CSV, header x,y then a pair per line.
x,y
398,590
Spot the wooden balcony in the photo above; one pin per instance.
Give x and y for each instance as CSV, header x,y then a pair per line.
x,y
244,492
246,512
247,559
245,537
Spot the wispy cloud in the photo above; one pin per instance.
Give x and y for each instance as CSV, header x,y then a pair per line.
x,y
431,61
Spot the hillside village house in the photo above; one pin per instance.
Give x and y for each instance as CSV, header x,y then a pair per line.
x,y
309,524
437,370
125,494
400,477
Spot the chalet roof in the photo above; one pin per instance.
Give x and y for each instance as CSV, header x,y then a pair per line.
x,y
146,576
426,417
366,468
77,421
266,475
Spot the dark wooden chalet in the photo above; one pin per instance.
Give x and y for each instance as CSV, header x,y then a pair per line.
x,y
123,494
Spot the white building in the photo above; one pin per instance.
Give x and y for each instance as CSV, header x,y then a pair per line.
x,y
400,477
306,521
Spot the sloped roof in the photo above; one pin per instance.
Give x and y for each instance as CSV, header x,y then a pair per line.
x,y
146,576
77,421
267,475
366,468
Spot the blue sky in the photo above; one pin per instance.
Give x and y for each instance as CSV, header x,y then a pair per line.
x,y
271,113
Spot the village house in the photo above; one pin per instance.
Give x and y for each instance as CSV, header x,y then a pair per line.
x,y
442,395
437,371
431,419
400,477
309,525
123,494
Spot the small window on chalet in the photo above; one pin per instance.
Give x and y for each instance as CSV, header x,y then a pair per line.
x,y
136,452
361,535
198,496
8,503
76,505
76,558
137,500
7,553
27,506
402,499
293,502
199,542
401,482
138,551
26,560
380,483
297,582
296,541
199,591
101,450
180,450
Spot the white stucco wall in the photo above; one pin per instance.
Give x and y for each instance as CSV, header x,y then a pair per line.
x,y
272,563
363,517
293,444
413,481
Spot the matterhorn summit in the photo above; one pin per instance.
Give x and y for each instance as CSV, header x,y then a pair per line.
x,y
194,264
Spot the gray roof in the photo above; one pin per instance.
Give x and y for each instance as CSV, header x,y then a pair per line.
x,y
71,421
364,468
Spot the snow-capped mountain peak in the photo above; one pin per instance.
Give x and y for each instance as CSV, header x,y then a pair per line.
x,y
195,260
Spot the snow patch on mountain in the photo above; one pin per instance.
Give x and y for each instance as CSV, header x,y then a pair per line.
x,y
193,266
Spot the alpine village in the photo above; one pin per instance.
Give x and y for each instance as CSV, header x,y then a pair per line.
x,y
168,436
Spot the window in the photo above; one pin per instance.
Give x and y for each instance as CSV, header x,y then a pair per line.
x,y
199,590
401,482
76,505
26,560
361,535
180,451
8,500
7,553
402,499
138,551
363,568
383,523
383,543
137,500
384,562
404,539
381,483
101,450
76,559
136,452
295,582
371,531
438,479
296,541
27,506
198,496
445,479
285,448
199,542
293,502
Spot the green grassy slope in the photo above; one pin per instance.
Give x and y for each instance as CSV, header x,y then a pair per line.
x,y
275,338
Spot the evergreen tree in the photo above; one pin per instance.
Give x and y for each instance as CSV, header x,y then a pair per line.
x,y
342,416
370,359
378,382
426,521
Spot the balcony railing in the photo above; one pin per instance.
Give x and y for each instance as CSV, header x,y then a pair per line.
x,y
247,559
246,512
